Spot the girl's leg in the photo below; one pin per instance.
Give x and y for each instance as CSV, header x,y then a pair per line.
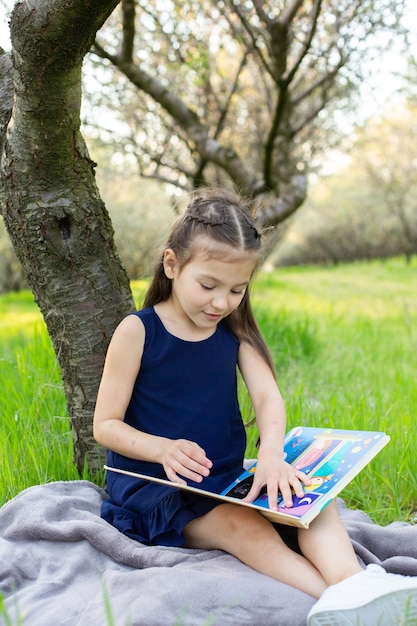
x,y
327,546
355,596
250,537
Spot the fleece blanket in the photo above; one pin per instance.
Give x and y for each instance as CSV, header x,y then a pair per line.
x,y
61,564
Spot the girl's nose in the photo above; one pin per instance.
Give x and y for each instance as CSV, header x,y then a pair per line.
x,y
220,302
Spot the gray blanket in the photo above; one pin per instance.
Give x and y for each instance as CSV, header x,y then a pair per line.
x,y
61,564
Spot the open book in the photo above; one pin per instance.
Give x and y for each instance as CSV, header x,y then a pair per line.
x,y
331,458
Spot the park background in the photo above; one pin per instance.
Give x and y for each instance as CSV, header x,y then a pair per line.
x,y
336,299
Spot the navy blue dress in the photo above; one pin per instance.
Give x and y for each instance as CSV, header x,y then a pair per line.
x,y
184,390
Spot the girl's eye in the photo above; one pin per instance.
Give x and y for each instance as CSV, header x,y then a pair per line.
x,y
235,292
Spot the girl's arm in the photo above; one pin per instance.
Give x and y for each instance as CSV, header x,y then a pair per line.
x,y
271,469
110,430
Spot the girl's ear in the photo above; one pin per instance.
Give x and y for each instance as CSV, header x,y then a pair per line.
x,y
170,263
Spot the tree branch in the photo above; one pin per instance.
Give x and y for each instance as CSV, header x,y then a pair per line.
x,y
320,82
289,12
208,148
261,13
307,44
281,208
252,34
128,19
67,27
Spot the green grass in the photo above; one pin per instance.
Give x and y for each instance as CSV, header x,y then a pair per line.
x,y
344,343
34,426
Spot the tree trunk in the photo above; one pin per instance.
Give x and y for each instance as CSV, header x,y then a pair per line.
x,y
51,206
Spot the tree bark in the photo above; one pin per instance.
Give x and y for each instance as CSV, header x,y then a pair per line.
x,y
50,202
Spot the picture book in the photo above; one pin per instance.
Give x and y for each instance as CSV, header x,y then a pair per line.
x,y
331,458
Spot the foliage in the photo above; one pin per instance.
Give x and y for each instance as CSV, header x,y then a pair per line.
x,y
234,93
364,210
386,152
367,209
344,343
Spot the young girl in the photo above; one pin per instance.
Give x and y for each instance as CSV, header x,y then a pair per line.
x,y
167,406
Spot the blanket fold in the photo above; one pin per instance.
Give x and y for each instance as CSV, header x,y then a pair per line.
x,y
60,563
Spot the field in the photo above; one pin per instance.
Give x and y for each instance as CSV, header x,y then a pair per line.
x,y
344,342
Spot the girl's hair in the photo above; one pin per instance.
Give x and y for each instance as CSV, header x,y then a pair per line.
x,y
215,222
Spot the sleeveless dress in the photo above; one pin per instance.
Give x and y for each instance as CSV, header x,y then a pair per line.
x,y
188,390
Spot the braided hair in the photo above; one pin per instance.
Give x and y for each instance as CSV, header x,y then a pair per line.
x,y
221,224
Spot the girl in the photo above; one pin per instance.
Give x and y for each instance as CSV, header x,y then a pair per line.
x,y
167,406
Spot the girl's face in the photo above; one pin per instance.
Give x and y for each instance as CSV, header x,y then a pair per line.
x,y
207,289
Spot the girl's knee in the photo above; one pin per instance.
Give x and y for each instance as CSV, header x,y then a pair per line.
x,y
225,524
233,520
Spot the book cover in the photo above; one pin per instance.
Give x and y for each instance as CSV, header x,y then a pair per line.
x,y
330,457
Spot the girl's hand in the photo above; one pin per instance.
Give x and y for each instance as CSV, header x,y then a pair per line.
x,y
181,457
277,475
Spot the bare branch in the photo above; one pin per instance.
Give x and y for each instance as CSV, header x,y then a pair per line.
x,y
285,69
169,181
307,44
129,13
207,147
320,82
253,38
288,14
281,208
261,13
223,111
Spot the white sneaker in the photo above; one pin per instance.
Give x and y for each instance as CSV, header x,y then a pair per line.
x,y
370,598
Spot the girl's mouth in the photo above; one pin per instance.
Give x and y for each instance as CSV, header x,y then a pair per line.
x,y
213,316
